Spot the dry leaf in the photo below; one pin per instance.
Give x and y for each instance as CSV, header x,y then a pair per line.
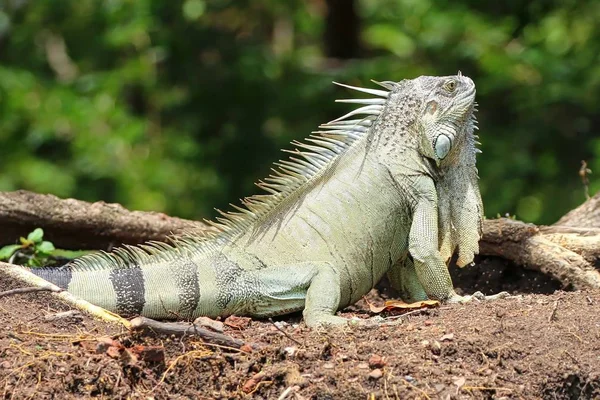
x,y
398,306
241,323
148,353
251,383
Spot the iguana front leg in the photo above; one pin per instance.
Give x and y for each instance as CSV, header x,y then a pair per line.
x,y
430,266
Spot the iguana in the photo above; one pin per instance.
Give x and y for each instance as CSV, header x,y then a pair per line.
x,y
392,191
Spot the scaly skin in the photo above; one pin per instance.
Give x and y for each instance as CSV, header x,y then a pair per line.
x,y
393,193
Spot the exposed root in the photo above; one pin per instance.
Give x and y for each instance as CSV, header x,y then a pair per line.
x,y
565,253
185,329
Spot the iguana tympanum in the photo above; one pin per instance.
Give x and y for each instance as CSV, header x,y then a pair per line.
x,y
392,191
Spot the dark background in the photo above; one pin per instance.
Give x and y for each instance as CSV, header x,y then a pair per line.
x,y
180,106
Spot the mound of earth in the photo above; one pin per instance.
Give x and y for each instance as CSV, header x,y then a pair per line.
x,y
544,343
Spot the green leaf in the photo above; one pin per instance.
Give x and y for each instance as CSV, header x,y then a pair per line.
x,y
70,254
45,247
34,262
36,236
8,251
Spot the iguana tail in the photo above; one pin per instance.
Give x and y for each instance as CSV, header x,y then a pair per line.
x,y
159,289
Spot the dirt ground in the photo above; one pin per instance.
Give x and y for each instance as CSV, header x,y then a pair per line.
x,y
544,344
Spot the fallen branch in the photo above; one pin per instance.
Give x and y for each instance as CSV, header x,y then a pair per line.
x,y
78,224
26,290
63,315
185,329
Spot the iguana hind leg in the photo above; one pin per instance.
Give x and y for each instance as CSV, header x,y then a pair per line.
x,y
314,286
323,298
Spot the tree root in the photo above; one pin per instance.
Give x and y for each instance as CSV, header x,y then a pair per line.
x,y
562,253
185,329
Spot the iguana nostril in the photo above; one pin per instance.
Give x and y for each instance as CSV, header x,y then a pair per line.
x,y
442,146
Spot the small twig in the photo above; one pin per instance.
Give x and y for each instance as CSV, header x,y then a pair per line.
x,y
553,315
286,393
259,384
63,315
180,329
28,290
13,336
484,388
584,173
220,346
285,333
572,356
419,311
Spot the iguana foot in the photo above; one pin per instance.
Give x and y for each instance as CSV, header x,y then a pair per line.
x,y
325,321
329,321
455,298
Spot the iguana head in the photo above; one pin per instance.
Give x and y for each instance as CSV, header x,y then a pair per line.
x,y
446,112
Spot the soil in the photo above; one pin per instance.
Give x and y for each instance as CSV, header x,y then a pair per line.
x,y
543,343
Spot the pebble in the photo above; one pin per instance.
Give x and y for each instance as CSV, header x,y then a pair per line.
x,y
376,361
290,351
447,337
375,374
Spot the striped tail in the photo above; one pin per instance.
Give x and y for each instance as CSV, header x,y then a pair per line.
x,y
158,290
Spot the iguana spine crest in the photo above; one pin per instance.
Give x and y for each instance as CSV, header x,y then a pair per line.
x,y
306,163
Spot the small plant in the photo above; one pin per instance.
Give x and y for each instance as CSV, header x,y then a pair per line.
x,y
33,251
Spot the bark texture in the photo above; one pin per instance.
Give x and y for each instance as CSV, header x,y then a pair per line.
x,y
76,224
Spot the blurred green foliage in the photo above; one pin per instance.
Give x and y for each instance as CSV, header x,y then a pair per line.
x,y
178,106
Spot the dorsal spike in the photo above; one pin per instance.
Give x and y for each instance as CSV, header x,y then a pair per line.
x,y
362,101
372,110
389,85
375,92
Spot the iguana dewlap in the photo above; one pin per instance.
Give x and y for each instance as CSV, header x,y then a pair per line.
x,y
390,187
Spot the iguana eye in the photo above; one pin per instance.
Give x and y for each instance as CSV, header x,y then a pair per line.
x,y
450,85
